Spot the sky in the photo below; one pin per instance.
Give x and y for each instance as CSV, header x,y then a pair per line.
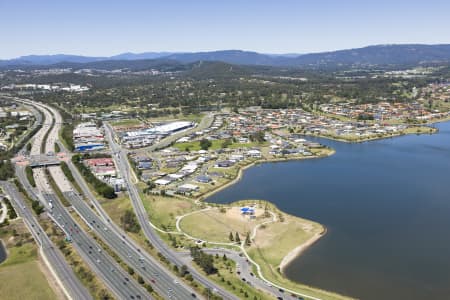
x,y
109,27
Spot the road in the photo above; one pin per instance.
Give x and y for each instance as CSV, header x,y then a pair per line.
x,y
122,164
176,257
63,273
101,263
164,282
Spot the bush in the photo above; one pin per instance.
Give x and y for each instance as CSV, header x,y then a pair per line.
x,y
100,187
30,177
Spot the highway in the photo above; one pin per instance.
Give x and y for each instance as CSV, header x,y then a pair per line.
x,y
164,282
122,164
63,273
177,257
102,264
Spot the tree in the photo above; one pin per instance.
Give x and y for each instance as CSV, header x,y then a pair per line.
x,y
204,260
140,279
129,222
183,270
231,237
237,238
227,143
205,144
247,239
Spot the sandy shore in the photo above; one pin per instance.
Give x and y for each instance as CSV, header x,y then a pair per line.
x,y
297,251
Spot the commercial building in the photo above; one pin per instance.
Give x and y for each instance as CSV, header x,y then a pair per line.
x,y
87,137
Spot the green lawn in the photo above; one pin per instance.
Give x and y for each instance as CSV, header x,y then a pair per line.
x,y
216,144
126,122
20,274
215,226
24,280
162,211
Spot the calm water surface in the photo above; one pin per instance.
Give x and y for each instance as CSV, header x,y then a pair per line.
x,y
386,205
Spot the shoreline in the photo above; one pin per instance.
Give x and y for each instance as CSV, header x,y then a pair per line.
x,y
371,139
299,250
241,170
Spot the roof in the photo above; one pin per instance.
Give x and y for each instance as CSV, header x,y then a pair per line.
x,y
99,161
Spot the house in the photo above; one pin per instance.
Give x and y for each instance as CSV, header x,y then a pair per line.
x,y
224,164
162,181
203,179
254,153
187,188
144,165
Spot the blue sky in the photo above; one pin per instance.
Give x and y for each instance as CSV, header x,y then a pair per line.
x,y
103,28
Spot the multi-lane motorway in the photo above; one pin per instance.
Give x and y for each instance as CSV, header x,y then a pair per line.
x,y
165,283
62,271
176,257
103,265
162,280
122,164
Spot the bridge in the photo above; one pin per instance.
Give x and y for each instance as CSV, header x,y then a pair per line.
x,y
43,160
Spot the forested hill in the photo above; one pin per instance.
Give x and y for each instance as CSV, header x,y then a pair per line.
x,y
412,54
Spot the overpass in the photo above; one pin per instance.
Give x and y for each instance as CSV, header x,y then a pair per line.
x,y
43,160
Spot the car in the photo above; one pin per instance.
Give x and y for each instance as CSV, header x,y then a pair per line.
x,y
152,280
251,274
281,290
175,281
194,295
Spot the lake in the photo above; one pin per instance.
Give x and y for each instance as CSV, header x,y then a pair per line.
x,y
386,205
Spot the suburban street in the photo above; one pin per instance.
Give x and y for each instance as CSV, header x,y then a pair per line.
x,y
124,167
245,268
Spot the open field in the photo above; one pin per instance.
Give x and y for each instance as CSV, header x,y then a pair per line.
x,y
20,274
215,225
24,280
126,122
216,144
163,210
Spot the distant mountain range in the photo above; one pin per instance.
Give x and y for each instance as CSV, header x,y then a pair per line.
x,y
371,55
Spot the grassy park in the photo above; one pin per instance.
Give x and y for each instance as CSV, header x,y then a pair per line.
x,y
221,222
21,276
215,145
